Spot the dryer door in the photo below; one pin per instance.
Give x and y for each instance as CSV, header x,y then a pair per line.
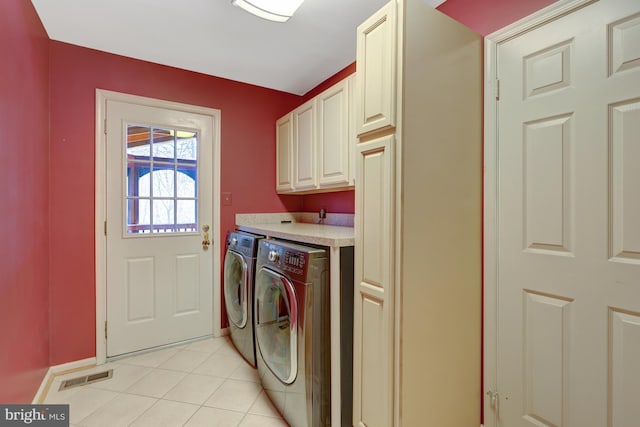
x,y
235,288
277,324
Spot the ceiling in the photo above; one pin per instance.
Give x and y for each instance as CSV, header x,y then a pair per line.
x,y
216,38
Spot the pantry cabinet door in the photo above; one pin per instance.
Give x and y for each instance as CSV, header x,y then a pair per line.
x,y
374,285
376,59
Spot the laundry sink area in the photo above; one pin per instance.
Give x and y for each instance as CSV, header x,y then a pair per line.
x,y
336,232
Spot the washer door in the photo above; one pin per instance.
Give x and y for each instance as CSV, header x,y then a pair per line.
x,y
235,288
277,324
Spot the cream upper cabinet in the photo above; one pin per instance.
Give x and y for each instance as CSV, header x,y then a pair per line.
x,y
417,272
284,154
304,147
333,135
316,143
376,59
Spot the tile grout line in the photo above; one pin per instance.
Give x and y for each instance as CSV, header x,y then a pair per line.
x,y
79,423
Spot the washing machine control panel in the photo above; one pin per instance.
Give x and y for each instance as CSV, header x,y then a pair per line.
x,y
294,262
287,260
294,259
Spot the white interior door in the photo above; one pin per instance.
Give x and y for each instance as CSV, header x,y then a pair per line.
x,y
159,215
568,274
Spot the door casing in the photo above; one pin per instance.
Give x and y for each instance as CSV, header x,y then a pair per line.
x,y
101,206
490,210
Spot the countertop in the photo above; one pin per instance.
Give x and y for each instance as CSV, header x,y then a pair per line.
x,y
318,234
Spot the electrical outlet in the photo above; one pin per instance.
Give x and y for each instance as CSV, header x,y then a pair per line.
x,y
226,199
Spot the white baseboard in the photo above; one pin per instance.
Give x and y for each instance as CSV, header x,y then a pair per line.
x,y
64,368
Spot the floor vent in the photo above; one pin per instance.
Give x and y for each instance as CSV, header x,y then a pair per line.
x,y
86,379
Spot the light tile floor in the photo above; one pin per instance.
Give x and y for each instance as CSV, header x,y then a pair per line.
x,y
205,383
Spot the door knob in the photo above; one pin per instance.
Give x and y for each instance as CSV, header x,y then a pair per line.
x,y
205,241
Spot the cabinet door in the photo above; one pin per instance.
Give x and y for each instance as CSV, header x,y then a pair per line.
x,y
333,136
304,147
284,154
353,137
376,59
374,285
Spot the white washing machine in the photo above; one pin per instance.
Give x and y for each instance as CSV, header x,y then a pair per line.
x,y
239,268
292,331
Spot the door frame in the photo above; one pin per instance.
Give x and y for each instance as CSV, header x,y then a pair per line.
x,y
490,227
102,96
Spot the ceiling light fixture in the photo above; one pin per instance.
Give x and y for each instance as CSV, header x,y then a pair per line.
x,y
273,10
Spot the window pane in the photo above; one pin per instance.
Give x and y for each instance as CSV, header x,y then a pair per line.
x,y
163,215
138,182
187,147
138,141
163,144
187,215
138,214
163,181
186,180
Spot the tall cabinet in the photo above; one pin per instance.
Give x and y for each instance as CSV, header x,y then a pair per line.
x,y
417,306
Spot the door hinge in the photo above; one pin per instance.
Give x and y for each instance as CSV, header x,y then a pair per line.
x,y
105,228
497,89
105,329
105,126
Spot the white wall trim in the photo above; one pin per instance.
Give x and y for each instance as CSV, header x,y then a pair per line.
x,y
537,19
102,96
492,43
56,370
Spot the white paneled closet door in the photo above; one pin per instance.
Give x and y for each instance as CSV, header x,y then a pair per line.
x,y
569,221
374,288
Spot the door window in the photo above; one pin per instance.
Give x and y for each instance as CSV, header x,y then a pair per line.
x,y
276,324
161,180
235,288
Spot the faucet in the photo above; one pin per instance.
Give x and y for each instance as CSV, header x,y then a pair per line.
x,y
321,216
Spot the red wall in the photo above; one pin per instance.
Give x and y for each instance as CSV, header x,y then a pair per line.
x,y
487,16
247,166
24,211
